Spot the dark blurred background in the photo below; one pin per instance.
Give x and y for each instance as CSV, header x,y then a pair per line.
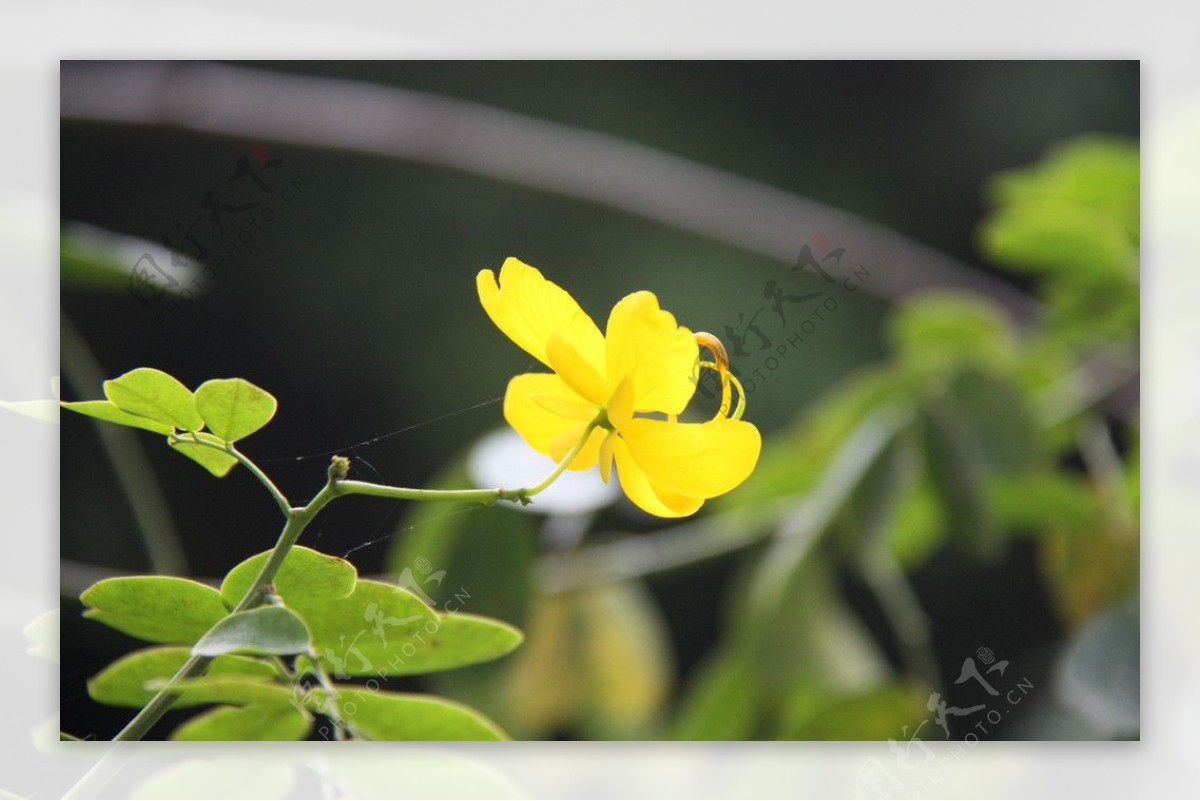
x,y
355,305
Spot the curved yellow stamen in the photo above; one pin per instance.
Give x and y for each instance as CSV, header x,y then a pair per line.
x,y
723,409
714,345
741,406
720,365
721,359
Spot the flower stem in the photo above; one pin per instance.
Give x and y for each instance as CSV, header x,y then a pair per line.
x,y
488,496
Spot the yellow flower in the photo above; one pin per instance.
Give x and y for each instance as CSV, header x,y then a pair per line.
x,y
606,383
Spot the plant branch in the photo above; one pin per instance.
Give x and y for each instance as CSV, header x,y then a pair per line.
x,y
1106,378
680,545
1107,470
481,140
332,699
163,700
285,505
281,499
903,611
522,495
297,520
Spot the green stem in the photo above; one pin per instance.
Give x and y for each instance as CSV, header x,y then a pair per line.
x,y
297,520
282,668
900,606
285,506
281,499
152,712
522,495
340,731
407,494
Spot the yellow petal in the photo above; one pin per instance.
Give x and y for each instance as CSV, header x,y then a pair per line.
x,y
701,460
606,456
525,410
620,404
588,456
645,343
566,360
620,410
643,493
575,408
529,309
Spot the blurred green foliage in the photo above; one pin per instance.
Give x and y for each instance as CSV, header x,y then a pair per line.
x,y
973,437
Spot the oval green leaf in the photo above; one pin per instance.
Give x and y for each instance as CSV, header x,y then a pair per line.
x,y
384,630
1067,239
124,682
402,716
359,634
462,639
266,630
1095,171
237,690
947,327
304,574
234,408
217,462
253,722
147,392
162,609
110,412
452,641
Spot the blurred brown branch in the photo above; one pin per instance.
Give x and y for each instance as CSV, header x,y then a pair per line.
x,y
593,167
482,140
